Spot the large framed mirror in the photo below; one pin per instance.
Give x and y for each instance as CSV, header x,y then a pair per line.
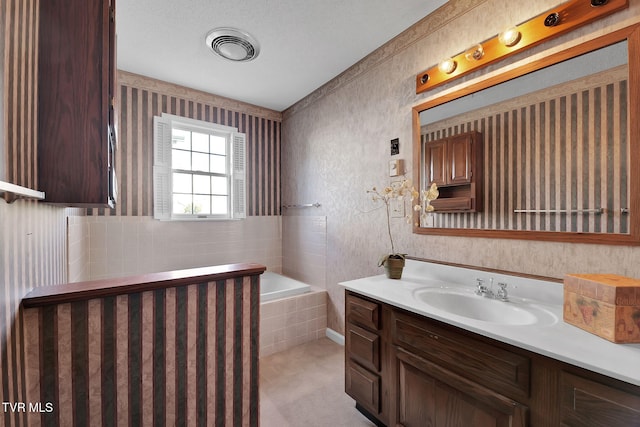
x,y
560,155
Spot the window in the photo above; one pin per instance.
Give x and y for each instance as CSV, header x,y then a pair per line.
x,y
198,170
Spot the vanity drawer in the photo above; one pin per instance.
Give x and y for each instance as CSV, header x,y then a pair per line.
x,y
590,403
494,367
363,347
363,386
363,312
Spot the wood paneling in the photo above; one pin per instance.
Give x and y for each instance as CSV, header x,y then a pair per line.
x,y
141,98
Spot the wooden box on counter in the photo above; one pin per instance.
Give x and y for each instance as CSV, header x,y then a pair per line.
x,y
606,305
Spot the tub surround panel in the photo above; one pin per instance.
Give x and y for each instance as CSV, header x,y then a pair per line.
x,y
121,246
141,358
289,322
78,257
304,248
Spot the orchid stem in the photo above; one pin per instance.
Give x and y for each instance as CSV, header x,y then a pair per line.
x,y
393,250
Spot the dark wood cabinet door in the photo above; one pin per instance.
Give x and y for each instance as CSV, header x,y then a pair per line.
x,y
429,395
454,164
364,370
436,161
76,68
460,156
362,312
587,403
363,347
363,386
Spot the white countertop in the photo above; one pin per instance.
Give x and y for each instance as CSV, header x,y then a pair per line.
x,y
559,340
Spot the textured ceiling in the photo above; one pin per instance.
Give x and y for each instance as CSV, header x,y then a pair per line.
x,y
304,44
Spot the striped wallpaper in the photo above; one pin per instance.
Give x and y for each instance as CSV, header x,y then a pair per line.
x,y
563,148
32,235
20,86
184,355
141,98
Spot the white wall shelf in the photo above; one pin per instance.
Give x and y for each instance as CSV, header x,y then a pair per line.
x,y
13,192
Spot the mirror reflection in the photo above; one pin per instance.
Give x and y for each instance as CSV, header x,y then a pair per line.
x,y
554,150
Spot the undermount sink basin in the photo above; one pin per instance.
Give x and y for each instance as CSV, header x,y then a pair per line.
x,y
465,303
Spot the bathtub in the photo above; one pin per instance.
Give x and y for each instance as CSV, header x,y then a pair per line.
x,y
275,286
291,313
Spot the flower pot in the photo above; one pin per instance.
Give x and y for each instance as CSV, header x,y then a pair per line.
x,y
393,267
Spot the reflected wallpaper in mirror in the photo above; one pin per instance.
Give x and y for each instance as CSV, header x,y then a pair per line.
x,y
556,148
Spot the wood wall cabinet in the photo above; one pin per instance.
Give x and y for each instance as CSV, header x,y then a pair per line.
x,y
435,374
454,164
76,99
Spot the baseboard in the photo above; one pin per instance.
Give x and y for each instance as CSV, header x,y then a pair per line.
x,y
335,337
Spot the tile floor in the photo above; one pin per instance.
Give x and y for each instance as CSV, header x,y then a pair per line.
x,y
304,387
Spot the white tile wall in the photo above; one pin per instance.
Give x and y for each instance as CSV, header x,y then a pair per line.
x,y
77,253
288,322
121,246
304,248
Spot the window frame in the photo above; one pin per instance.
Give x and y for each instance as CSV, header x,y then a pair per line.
x,y
163,170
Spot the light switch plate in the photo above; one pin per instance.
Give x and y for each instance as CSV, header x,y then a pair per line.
x,y
396,167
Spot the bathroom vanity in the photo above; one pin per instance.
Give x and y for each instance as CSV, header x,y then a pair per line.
x,y
426,350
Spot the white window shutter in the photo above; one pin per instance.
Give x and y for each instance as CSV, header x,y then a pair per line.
x,y
161,168
239,198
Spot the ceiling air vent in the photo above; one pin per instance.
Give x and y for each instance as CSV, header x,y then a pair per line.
x,y
233,44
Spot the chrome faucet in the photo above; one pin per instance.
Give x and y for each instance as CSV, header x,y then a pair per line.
x,y
487,292
483,290
502,292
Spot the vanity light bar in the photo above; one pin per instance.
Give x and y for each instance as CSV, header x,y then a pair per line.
x,y
545,26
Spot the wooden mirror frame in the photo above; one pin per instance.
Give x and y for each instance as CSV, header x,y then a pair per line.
x,y
632,35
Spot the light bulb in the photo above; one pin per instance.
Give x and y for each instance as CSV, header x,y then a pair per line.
x,y
447,66
509,37
474,53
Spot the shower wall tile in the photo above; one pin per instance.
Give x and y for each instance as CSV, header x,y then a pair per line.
x,y
304,248
121,246
77,254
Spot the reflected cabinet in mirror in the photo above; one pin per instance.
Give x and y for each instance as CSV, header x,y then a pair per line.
x,y
557,151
